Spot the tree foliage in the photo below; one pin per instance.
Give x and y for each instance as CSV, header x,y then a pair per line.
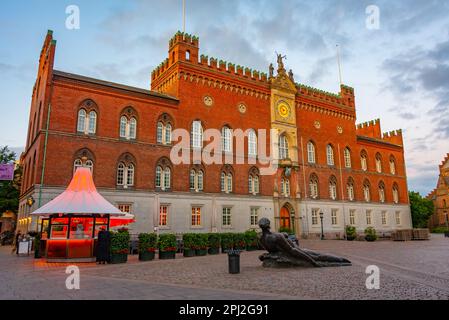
x,y
10,190
422,209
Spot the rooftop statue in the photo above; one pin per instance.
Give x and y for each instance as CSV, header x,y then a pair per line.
x,y
282,252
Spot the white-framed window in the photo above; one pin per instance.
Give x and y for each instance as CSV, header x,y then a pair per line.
x,y
395,194
334,217
311,155
226,139
253,184
350,190
384,217
368,217
333,189
252,143
330,155
78,163
378,163
125,175
352,217
197,135
226,217
364,161
124,207
163,178
285,187
163,215
196,180
283,147
398,217
313,186
160,132
347,156
87,123
381,193
128,128
196,217
168,134
392,166
254,217
226,182
315,213
366,192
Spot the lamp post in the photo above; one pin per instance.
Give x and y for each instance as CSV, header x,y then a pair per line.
x,y
322,227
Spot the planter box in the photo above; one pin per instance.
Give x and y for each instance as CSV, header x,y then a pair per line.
x,y
213,251
188,253
146,256
119,258
446,234
167,255
251,248
201,252
351,238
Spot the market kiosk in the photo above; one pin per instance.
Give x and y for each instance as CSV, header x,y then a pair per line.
x,y
71,222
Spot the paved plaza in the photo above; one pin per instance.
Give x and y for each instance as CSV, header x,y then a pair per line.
x,y
408,270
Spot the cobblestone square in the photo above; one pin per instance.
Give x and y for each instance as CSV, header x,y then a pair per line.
x,y
408,270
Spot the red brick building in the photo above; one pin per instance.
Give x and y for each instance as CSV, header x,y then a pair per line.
x,y
440,197
353,174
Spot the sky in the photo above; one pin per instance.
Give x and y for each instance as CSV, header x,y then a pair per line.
x,y
400,70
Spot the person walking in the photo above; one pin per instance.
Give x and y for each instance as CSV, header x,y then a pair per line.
x,y
103,244
17,239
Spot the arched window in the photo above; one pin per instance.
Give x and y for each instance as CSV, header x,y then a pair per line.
x,y
381,192
77,164
130,175
283,147
350,189
226,180
285,187
313,186
160,132
196,180
168,131
395,194
92,122
378,163
121,174
132,128
366,191
253,181
163,175
197,135
392,165
226,139
364,160
126,171
347,156
330,155
123,127
81,127
188,55
333,188
252,143
444,203
311,155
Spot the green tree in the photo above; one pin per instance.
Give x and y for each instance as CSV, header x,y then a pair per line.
x,y
10,190
422,209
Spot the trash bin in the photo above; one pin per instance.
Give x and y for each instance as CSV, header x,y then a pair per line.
x,y
234,261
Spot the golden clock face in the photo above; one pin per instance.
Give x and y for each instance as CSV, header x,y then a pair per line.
x,y
284,110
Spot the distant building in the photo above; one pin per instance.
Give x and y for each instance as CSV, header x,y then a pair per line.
x,y
353,174
440,196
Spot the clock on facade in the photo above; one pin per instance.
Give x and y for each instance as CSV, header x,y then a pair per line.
x,y
242,108
208,101
284,110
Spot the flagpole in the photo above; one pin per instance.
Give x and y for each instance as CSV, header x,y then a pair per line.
x,y
339,64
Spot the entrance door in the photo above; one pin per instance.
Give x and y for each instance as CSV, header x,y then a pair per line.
x,y
285,218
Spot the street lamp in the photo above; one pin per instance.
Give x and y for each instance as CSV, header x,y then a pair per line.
x,y
322,227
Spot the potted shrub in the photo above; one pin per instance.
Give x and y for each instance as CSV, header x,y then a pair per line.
x,y
239,241
214,243
370,234
167,246
251,240
351,233
147,246
189,245
227,242
119,246
201,243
